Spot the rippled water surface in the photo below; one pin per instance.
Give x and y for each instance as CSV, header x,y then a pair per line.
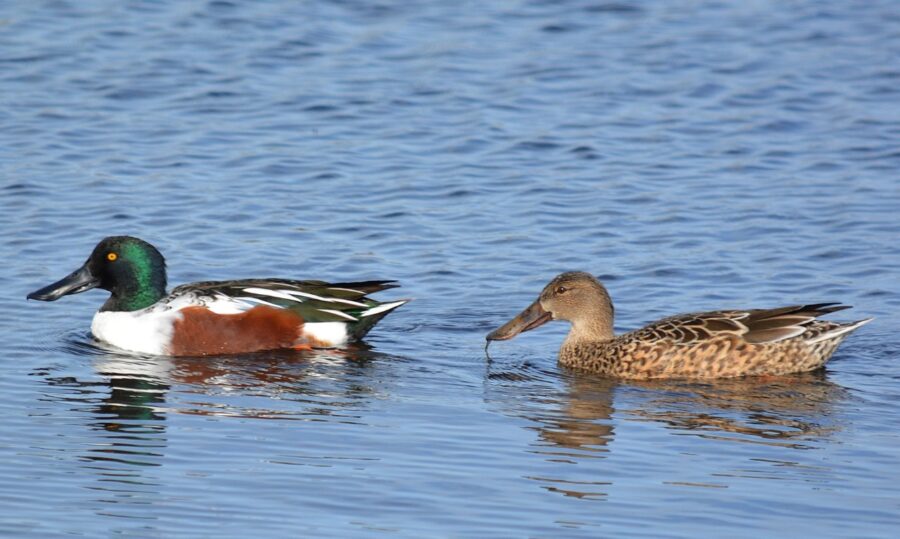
x,y
694,155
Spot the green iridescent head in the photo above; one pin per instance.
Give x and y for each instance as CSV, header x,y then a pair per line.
x,y
130,268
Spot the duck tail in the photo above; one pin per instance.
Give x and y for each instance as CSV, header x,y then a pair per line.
x,y
371,316
840,331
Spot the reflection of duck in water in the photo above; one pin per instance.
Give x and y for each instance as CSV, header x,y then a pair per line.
x,y
287,377
123,422
586,419
211,318
790,407
783,410
133,392
717,344
574,424
126,419
581,424
133,389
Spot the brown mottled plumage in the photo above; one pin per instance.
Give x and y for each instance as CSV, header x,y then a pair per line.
x,y
718,344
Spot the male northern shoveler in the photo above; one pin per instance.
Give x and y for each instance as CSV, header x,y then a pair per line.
x,y
715,344
222,317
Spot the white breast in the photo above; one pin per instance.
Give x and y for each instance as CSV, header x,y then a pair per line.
x,y
147,331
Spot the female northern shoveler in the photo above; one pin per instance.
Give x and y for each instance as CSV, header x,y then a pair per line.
x,y
223,317
715,344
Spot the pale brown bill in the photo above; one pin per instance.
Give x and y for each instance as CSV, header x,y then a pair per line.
x,y
530,318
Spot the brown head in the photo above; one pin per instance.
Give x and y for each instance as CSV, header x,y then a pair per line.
x,y
575,296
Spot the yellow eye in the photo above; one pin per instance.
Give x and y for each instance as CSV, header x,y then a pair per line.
x,y
112,256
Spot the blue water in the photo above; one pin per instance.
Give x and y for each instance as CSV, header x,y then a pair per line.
x,y
694,155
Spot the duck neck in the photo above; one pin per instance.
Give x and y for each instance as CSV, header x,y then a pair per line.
x,y
589,332
133,300
596,325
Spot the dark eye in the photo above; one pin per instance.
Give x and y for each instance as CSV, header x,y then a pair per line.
x,y
561,289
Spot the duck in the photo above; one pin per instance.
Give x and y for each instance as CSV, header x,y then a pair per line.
x,y
214,317
715,344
